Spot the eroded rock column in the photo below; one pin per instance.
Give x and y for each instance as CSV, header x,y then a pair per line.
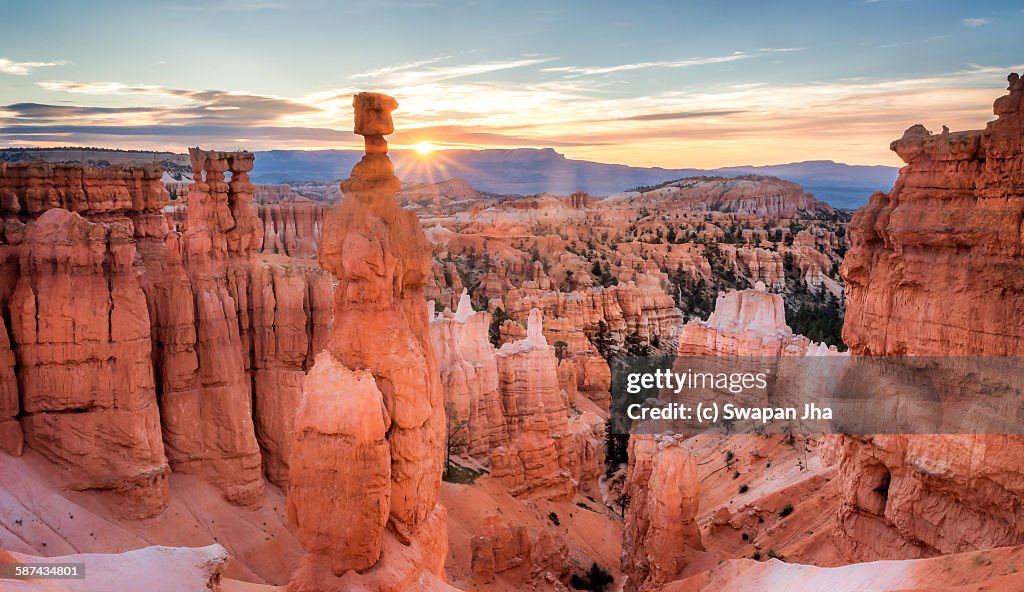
x,y
660,536
378,377
81,324
201,304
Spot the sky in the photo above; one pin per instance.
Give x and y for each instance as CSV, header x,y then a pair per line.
x,y
696,83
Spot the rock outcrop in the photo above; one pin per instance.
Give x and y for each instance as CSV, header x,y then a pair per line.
x,y
499,547
155,569
469,379
936,270
370,428
660,535
169,330
514,554
11,438
340,429
508,405
623,309
202,324
81,325
745,323
551,452
752,194
292,228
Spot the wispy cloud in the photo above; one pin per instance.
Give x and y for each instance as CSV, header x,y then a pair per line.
x,y
183,107
696,61
399,68
406,75
230,5
102,88
976,22
470,106
24,68
676,115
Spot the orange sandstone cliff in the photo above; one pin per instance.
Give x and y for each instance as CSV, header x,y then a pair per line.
x,y
935,270
143,346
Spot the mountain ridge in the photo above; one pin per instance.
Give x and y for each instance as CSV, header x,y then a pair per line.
x,y
521,170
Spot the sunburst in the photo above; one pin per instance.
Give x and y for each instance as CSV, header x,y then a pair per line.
x,y
425,147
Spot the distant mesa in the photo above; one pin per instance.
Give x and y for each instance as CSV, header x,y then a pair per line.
x,y
522,171
749,194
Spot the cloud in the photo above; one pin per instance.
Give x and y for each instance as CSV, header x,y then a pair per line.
x,y
231,6
178,107
850,119
679,115
976,22
698,61
399,68
24,68
39,112
100,88
411,74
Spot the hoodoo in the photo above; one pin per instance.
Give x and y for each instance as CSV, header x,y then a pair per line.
x,y
369,431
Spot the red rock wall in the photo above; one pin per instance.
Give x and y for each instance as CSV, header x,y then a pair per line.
x,y
291,320
11,438
550,454
81,328
937,269
292,228
201,301
179,330
34,188
625,308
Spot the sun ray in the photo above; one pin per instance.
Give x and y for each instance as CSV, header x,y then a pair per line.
x,y
425,147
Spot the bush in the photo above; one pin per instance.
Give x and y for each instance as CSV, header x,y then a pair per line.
x,y
461,475
596,579
553,518
494,331
786,510
744,488
561,348
616,448
773,554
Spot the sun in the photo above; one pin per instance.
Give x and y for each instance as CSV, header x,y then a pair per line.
x,y
424,147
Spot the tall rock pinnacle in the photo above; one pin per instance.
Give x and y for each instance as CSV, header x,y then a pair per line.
x,y
369,431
